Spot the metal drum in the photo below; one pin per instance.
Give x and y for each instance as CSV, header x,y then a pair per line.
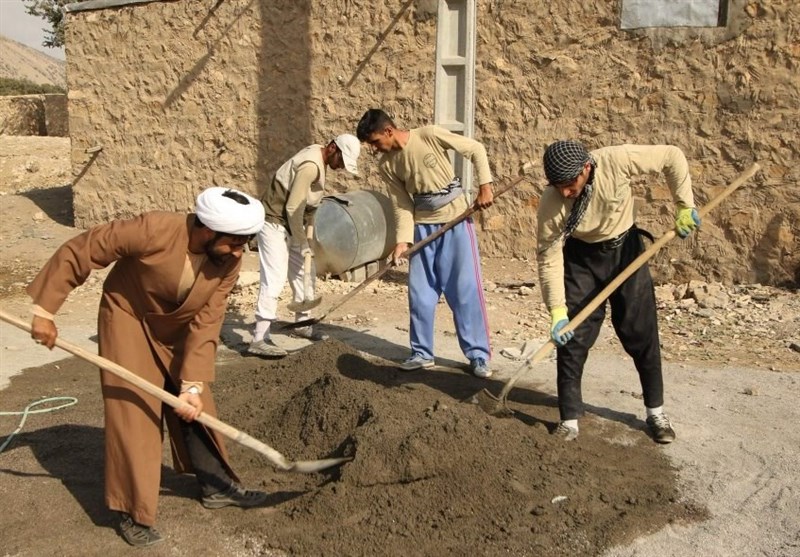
x,y
351,230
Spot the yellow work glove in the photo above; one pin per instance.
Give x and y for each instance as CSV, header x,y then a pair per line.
x,y
686,220
559,320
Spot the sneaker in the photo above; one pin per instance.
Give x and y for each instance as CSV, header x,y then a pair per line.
x,y
566,432
417,361
309,333
480,368
266,349
138,535
661,428
235,496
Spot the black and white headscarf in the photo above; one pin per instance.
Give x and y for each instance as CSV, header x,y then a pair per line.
x,y
563,162
578,210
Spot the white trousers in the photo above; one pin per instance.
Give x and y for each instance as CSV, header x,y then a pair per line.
x,y
278,261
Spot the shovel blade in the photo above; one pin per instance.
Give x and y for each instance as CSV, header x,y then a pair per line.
x,y
491,404
303,323
305,305
312,466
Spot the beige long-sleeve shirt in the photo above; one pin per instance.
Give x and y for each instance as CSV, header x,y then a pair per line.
x,y
610,211
423,166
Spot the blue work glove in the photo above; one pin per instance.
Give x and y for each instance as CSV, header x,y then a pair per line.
x,y
558,321
686,220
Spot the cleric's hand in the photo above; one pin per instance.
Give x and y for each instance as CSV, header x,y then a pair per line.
x,y
191,408
44,331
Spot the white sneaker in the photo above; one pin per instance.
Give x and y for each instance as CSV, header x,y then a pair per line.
x,y
480,368
566,432
417,361
266,349
309,333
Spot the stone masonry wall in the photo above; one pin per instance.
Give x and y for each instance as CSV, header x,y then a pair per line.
x,y
34,115
183,94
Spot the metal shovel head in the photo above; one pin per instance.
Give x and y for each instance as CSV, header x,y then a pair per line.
x,y
303,323
491,404
305,305
312,466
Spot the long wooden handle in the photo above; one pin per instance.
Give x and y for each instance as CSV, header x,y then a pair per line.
x,y
601,297
468,212
231,432
307,277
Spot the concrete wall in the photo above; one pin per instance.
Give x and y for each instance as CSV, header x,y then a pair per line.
x,y
34,115
183,94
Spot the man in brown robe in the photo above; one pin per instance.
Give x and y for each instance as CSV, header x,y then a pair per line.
x,y
160,317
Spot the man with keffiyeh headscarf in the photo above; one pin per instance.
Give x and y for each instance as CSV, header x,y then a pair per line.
x,y
160,316
586,236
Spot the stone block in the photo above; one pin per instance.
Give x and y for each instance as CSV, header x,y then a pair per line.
x,y
22,115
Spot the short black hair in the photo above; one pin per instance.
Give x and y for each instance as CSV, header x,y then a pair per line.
x,y
236,196
374,120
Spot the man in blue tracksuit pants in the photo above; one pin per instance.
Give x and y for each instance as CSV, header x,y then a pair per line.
x,y
426,194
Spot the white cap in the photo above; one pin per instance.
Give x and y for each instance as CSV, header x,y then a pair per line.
x,y
350,147
230,211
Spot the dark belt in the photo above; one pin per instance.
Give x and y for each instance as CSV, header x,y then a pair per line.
x,y
617,241
613,243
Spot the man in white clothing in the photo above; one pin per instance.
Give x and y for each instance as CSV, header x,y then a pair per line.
x,y
290,201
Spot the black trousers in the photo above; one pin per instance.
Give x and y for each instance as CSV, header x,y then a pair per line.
x,y
588,268
208,468
209,471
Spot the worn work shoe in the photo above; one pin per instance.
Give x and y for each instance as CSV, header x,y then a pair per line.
x,y
309,333
266,349
480,368
138,535
565,432
235,496
661,428
417,361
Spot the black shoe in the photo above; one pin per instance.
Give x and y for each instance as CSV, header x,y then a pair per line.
x,y
661,429
138,535
235,496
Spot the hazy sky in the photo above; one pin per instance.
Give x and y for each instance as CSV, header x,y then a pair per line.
x,y
16,24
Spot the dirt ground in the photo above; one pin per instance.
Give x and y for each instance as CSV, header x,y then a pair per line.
x,y
431,473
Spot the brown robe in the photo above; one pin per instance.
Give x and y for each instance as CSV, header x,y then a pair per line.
x,y
142,327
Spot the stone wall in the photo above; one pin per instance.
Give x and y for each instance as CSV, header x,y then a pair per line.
x,y
34,115
182,95
56,118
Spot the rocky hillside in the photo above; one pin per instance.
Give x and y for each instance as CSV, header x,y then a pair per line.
x,y
23,62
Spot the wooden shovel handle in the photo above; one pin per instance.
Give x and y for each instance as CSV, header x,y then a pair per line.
x,y
622,277
307,276
271,454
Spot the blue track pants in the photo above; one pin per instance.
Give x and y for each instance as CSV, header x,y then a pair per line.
x,y
449,265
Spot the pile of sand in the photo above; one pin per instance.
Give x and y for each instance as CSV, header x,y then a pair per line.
x,y
433,475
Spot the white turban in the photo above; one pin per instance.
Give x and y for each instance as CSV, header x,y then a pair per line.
x,y
230,211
